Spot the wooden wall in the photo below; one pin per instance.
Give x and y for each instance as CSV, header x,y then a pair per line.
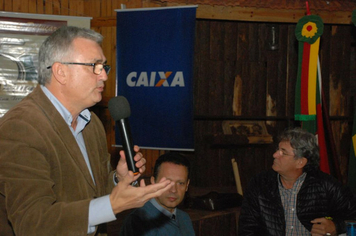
x,y
236,77
232,52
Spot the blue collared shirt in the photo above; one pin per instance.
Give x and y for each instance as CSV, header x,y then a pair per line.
x,y
164,210
100,210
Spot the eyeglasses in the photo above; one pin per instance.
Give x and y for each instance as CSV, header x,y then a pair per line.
x,y
97,67
283,152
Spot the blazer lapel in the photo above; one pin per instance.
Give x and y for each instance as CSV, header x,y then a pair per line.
x,y
63,131
93,157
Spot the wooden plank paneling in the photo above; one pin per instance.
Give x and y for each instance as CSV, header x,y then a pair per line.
x,y
204,165
24,6
325,61
201,72
32,7
48,9
215,80
253,40
8,6
133,4
251,14
216,40
338,92
56,7
263,41
342,137
282,69
64,7
16,7
255,100
230,73
203,39
292,65
230,40
104,8
273,102
76,8
40,6
242,58
340,63
276,70
115,5
94,8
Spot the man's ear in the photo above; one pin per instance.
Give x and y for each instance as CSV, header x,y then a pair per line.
x,y
302,162
59,72
153,180
186,189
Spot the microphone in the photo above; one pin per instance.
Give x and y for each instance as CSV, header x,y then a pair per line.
x,y
119,109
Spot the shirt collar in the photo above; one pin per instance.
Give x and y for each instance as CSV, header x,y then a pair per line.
x,y
162,209
297,183
84,116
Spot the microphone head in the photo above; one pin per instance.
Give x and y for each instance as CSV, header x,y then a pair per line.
x,y
119,108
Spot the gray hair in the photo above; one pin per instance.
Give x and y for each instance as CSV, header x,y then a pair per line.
x,y
304,144
58,45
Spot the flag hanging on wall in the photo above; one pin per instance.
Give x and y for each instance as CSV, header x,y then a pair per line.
x,y
308,100
155,48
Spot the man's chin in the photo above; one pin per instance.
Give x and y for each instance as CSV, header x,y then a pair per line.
x,y
98,99
94,103
172,205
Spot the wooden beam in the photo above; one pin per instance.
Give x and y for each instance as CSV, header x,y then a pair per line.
x,y
109,21
268,15
249,14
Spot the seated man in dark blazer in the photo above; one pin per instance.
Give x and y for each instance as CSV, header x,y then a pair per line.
x,y
296,198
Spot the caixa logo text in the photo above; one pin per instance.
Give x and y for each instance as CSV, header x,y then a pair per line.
x,y
155,79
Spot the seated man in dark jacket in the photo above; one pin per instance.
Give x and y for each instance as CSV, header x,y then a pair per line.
x,y
296,198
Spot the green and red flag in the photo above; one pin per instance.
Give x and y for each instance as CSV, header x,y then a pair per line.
x,y
307,32
308,101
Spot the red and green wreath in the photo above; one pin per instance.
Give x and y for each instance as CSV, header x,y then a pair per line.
x,y
309,28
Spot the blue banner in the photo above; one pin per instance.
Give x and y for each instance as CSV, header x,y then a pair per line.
x,y
155,48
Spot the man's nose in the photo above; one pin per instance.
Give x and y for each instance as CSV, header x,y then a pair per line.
x,y
103,75
276,154
173,188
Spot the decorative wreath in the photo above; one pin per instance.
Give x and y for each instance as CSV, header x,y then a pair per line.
x,y
309,28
